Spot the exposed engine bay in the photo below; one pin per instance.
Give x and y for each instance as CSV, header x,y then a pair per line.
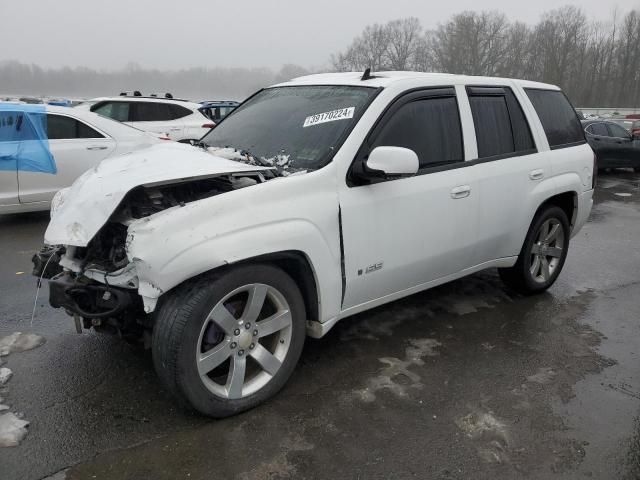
x,y
97,284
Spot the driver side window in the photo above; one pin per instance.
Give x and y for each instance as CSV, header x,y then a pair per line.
x,y
428,126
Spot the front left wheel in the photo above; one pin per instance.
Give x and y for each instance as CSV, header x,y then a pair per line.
x,y
228,341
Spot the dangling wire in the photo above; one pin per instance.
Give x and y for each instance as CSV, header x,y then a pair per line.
x,y
39,284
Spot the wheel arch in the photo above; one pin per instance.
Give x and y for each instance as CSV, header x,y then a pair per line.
x,y
567,201
297,265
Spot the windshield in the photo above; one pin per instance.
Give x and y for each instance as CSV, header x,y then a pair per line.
x,y
290,128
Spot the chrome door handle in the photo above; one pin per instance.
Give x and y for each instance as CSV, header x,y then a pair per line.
x,y
536,174
97,148
460,192
175,129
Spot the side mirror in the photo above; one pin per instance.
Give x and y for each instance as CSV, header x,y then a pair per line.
x,y
393,161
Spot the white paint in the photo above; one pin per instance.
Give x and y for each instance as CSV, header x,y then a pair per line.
x,y
12,430
19,342
98,192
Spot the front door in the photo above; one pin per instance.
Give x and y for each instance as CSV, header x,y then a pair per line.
x,y
403,233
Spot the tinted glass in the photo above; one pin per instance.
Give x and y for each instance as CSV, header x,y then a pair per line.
x,y
429,127
300,127
598,129
151,112
117,110
522,138
178,112
618,131
60,127
493,126
559,119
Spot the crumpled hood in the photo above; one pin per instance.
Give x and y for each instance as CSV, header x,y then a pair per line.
x,y
85,207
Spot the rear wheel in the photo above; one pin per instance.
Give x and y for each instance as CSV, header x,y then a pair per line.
x,y
543,253
226,343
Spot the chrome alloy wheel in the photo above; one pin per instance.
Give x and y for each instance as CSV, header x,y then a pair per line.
x,y
244,340
546,250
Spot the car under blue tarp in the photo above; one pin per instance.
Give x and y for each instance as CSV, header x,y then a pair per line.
x,y
24,144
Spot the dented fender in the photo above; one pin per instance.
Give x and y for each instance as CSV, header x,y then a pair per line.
x,y
182,242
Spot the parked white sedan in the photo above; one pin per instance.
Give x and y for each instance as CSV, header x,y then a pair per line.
x,y
44,149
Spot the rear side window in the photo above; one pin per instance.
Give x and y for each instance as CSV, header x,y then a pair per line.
x,y
430,127
558,118
116,110
60,127
501,127
599,129
178,112
151,112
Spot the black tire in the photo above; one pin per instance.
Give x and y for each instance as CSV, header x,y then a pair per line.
x,y
176,336
519,277
636,169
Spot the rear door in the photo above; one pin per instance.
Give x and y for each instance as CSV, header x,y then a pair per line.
x,y
156,117
75,147
623,145
403,233
507,169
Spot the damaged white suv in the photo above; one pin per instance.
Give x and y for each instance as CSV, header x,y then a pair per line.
x,y
315,200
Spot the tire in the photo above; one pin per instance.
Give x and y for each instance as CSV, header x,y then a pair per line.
x,y
205,324
529,275
636,169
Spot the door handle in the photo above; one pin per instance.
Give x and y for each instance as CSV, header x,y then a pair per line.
x,y
536,174
460,192
175,129
97,147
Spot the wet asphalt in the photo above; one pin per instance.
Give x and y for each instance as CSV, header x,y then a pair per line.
x,y
467,380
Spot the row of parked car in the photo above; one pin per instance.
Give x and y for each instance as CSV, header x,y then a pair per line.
x,y
44,148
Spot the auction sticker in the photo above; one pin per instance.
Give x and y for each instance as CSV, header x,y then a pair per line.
x,y
332,116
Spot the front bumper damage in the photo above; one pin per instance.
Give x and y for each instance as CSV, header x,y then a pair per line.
x,y
89,296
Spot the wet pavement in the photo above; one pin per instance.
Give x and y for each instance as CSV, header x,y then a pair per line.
x,y
463,381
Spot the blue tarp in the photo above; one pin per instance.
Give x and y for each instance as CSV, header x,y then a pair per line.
x,y
24,144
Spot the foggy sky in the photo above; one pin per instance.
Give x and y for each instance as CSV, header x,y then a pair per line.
x,y
108,34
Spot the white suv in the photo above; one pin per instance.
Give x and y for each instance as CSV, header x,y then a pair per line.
x,y
180,120
315,200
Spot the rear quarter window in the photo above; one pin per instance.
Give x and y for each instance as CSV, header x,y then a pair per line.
x,y
558,117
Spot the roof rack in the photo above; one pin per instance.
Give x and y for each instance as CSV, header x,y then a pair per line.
x,y
165,96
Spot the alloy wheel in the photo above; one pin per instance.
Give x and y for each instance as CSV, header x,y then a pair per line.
x,y
244,340
546,251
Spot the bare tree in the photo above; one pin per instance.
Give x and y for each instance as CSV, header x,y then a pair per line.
x,y
403,39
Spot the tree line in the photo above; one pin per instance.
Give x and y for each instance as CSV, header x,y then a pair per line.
x,y
597,63
216,83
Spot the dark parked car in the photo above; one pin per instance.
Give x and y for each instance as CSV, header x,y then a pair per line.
x,y
614,146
